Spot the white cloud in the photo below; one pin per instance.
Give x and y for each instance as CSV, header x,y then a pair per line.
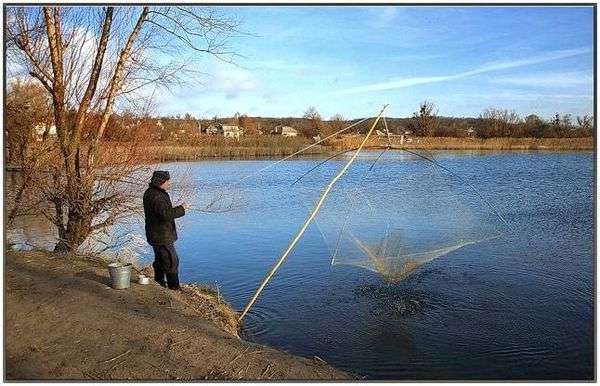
x,y
232,81
388,14
397,83
279,65
521,96
384,16
560,79
220,86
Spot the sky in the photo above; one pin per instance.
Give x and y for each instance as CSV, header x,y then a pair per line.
x,y
352,60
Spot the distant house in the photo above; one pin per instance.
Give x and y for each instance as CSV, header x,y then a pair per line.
x,y
211,129
286,131
471,132
40,129
231,131
228,131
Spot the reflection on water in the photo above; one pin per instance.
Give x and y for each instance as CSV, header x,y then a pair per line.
x,y
517,307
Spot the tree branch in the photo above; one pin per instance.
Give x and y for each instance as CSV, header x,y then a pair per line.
x,y
95,75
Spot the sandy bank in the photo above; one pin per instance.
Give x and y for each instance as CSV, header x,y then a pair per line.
x,y
63,321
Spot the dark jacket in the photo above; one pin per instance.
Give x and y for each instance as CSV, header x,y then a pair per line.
x,y
160,216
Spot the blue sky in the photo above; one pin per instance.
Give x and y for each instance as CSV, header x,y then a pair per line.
x,y
352,60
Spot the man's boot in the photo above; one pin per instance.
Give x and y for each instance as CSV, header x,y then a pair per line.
x,y
173,281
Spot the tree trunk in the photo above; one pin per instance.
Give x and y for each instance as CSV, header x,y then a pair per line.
x,y
77,230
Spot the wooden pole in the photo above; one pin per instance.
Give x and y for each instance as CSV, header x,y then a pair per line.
x,y
310,218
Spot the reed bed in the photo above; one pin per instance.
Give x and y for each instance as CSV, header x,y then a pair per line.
x,y
190,153
453,143
219,147
270,146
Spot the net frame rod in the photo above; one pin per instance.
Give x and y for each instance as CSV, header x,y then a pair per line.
x,y
310,218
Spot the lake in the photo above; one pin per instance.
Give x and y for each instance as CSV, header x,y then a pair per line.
x,y
520,306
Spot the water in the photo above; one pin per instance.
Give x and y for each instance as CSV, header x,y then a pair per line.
x,y
518,307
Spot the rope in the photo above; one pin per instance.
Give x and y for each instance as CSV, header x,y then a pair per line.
x,y
461,180
301,150
321,163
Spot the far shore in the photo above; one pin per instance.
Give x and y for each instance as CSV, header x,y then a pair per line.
x,y
166,152
267,147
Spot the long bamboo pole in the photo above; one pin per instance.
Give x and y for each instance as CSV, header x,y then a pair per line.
x,y
310,218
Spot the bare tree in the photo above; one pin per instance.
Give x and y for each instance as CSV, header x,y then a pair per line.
x,y
556,120
250,125
566,121
316,122
424,122
91,60
28,115
501,123
312,114
335,124
585,123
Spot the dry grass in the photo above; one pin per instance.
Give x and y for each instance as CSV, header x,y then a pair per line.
x,y
451,143
210,305
220,147
273,146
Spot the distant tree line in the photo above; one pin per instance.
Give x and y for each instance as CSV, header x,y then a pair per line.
x,y
426,122
28,108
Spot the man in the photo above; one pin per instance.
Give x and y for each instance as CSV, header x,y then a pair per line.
x,y
160,228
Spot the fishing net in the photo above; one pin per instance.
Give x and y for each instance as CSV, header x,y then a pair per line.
x,y
394,211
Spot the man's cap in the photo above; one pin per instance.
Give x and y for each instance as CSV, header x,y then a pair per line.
x,y
159,177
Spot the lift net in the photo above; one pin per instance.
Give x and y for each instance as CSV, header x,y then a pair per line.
x,y
395,210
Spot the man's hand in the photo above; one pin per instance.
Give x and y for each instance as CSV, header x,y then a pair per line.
x,y
186,206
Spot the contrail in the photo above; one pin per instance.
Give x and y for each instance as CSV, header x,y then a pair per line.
x,y
408,82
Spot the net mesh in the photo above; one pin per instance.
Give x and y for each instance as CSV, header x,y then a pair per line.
x,y
394,211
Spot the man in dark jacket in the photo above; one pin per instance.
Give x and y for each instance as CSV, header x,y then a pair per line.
x,y
160,228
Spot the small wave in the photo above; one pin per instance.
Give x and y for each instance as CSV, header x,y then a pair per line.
x,y
259,321
395,300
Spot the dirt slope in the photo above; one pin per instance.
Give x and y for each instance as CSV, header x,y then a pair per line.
x,y
63,321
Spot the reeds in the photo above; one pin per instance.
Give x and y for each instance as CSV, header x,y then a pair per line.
x,y
214,147
219,147
453,143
